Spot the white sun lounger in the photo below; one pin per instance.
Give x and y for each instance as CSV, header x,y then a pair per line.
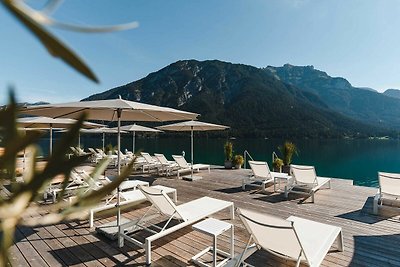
x,y
124,159
75,182
187,213
81,152
101,152
167,166
74,150
185,167
261,175
295,238
305,181
130,196
388,192
151,163
96,156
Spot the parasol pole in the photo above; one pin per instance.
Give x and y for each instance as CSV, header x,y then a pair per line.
x,y
103,139
133,141
191,144
51,139
119,111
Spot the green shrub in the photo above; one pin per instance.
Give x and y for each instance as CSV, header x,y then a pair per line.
x,y
288,150
238,160
228,149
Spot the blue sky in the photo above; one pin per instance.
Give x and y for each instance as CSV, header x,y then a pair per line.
x,y
355,39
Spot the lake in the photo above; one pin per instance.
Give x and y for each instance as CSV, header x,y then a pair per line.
x,y
359,160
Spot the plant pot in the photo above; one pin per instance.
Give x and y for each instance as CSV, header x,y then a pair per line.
x,y
238,167
228,164
286,169
275,169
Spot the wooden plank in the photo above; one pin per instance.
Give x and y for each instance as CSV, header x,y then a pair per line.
x,y
16,257
369,240
40,246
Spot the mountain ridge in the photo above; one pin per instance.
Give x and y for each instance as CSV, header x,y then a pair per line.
x,y
392,93
338,94
253,101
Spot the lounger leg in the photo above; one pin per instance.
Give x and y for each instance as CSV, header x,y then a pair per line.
x,y
247,252
91,218
375,205
232,242
329,184
148,251
233,212
340,241
286,191
312,196
243,185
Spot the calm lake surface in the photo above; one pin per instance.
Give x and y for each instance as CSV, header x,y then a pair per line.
x,y
358,160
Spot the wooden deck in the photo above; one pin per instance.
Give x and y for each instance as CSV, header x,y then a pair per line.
x,y
368,240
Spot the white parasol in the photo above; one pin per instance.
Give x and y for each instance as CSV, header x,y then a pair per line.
x,y
191,126
111,110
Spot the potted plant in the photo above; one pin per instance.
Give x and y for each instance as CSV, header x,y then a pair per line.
x,y
238,161
287,150
228,149
277,165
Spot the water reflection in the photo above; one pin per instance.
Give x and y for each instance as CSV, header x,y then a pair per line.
x,y
359,160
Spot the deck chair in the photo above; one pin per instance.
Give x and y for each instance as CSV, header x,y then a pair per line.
x,y
388,192
96,156
114,158
261,175
128,195
186,214
184,166
74,151
151,163
101,152
305,181
167,166
294,239
81,152
124,159
75,182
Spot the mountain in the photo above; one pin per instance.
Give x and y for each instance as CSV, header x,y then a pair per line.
x,y
26,104
366,88
392,93
339,95
249,99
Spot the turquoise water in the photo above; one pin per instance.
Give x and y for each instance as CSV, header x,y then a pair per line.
x,y
359,160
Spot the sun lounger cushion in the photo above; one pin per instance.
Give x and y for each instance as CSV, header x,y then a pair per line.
x,y
201,208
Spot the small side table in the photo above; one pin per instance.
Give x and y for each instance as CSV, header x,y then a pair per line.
x,y
280,177
214,228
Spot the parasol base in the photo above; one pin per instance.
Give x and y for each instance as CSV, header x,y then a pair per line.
x,y
192,178
110,229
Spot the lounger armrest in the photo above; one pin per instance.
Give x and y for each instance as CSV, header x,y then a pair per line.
x,y
321,182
